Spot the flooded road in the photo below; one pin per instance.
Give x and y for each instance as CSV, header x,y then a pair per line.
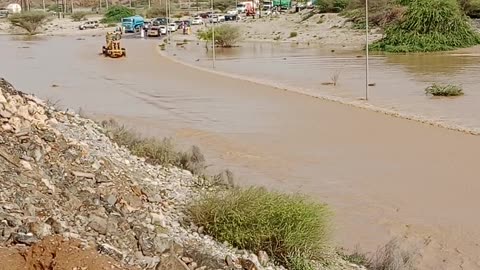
x,y
399,80
383,176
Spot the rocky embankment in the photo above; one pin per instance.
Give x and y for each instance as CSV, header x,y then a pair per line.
x,y
70,198
65,184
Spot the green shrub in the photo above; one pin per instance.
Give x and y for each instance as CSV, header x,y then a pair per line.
x,y
392,257
290,228
155,12
115,14
30,21
444,90
293,34
79,16
429,25
223,5
226,35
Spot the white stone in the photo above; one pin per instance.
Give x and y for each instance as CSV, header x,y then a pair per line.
x,y
158,219
2,98
26,165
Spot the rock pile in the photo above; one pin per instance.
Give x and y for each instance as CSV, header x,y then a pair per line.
x,y
60,175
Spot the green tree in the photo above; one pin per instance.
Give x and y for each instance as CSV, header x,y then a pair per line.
x,y
30,21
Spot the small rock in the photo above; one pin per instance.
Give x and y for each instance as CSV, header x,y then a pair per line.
x,y
25,238
110,251
52,122
84,175
56,226
111,200
193,265
26,165
98,224
229,261
5,114
171,262
40,229
263,257
187,260
247,264
2,98
48,184
158,219
7,127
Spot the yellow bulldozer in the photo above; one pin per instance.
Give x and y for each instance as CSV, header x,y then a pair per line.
x,y
113,48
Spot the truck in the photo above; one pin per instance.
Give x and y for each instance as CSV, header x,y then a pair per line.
x,y
283,4
133,23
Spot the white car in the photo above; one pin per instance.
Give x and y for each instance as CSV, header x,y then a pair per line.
x,y
232,12
197,21
172,27
163,30
215,18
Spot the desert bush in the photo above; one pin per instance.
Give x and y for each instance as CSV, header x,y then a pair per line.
x,y
154,12
392,257
115,14
155,151
293,34
223,5
332,5
429,25
471,7
290,228
29,21
448,90
226,35
79,16
381,12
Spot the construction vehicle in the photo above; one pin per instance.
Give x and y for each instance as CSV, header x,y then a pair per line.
x,y
113,48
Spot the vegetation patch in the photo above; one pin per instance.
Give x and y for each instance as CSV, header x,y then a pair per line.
x,y
79,16
293,34
381,12
448,90
29,21
429,25
290,228
226,35
115,14
332,6
155,12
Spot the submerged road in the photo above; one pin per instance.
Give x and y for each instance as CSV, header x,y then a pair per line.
x,y
383,176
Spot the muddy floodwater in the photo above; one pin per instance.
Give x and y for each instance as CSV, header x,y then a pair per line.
x,y
383,176
399,80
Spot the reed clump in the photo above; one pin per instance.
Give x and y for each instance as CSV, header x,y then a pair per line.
x,y
427,26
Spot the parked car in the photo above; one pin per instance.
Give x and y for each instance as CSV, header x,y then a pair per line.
x,y
215,18
197,21
232,12
88,25
172,27
154,29
230,17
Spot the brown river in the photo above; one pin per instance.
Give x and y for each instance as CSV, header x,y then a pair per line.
x,y
383,176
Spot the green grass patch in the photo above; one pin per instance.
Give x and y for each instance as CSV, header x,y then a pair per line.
x,y
293,34
427,26
115,14
448,90
290,228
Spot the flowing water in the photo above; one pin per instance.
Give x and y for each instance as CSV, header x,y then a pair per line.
x,y
399,80
383,176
